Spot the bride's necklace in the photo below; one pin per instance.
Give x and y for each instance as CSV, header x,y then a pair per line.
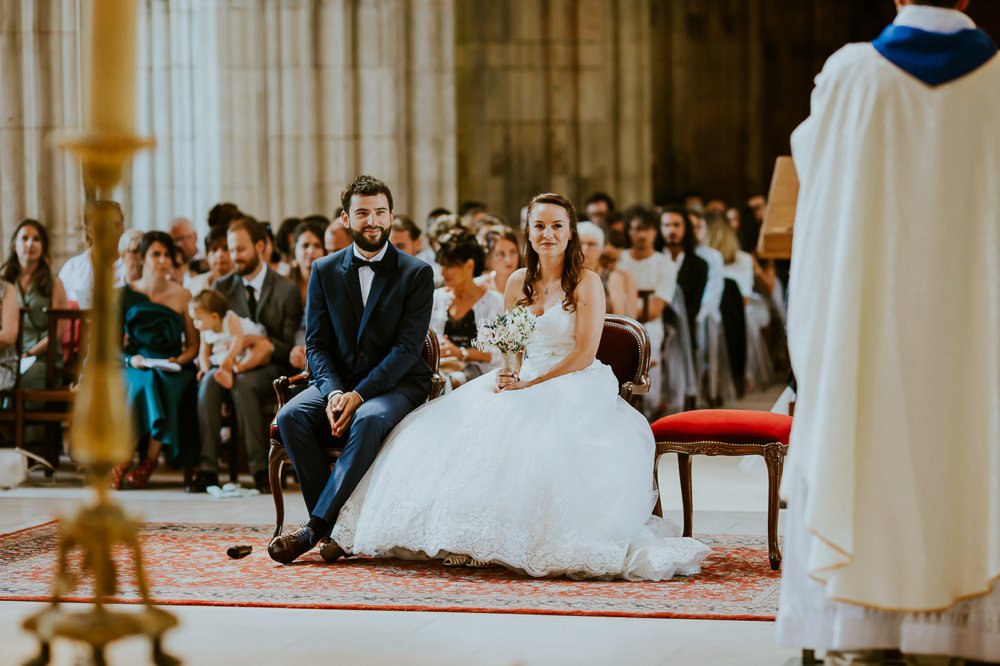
x,y
545,289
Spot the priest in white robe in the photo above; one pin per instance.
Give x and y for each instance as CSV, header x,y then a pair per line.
x,y
893,474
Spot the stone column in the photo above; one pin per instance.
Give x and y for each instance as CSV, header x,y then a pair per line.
x,y
552,95
40,93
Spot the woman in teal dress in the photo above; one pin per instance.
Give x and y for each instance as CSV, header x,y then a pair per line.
x,y
163,400
29,268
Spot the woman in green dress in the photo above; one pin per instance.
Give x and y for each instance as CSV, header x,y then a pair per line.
x,y
29,268
160,345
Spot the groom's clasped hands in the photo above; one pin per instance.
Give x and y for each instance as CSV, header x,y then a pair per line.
x,y
340,407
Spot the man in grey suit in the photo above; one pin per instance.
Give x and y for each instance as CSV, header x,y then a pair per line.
x,y
256,292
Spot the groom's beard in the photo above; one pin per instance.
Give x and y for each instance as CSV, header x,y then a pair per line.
x,y
367,245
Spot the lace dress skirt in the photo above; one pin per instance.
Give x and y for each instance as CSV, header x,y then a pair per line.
x,y
555,479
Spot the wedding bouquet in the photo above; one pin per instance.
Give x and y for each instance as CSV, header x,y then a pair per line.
x,y
506,333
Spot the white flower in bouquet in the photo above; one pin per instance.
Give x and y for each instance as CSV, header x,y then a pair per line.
x,y
506,333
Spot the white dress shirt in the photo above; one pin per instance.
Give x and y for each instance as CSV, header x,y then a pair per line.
x,y
257,284
655,273
365,273
77,276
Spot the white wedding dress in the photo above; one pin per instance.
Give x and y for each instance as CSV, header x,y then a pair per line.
x,y
555,479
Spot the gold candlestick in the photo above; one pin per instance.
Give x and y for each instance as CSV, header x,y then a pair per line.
x,y
101,435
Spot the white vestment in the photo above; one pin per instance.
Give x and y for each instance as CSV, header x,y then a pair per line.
x,y
893,474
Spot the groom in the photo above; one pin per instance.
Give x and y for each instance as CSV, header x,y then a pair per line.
x,y
367,311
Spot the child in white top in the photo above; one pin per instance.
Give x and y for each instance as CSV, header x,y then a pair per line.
x,y
229,343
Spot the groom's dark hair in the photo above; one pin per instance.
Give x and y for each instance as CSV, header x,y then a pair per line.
x,y
365,186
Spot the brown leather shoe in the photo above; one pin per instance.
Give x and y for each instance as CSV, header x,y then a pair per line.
x,y
288,547
330,551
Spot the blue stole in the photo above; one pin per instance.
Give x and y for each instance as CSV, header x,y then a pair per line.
x,y
934,57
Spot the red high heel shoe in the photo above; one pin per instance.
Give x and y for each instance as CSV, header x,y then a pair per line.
x,y
139,476
117,475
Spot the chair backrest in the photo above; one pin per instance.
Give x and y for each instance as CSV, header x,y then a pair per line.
x,y
625,347
62,359
645,295
431,351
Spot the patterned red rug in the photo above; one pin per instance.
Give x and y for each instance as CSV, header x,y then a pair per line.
x,y
187,565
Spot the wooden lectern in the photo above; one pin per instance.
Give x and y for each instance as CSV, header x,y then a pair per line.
x,y
775,240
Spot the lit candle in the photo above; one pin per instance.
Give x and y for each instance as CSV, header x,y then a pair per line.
x,y
113,66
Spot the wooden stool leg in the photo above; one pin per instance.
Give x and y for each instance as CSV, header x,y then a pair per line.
x,y
658,509
275,463
684,471
774,458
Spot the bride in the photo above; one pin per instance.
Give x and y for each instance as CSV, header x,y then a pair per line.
x,y
546,472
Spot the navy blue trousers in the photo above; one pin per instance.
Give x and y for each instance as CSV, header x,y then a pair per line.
x,y
305,432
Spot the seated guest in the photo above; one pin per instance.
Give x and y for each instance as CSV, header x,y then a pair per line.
x,y
286,236
597,207
273,258
219,261
444,224
128,254
503,256
712,298
433,216
230,344
336,237
10,317
616,237
257,292
222,214
29,269
180,270
655,281
692,271
157,329
472,213
715,207
185,237
307,244
490,223
405,235
619,286
740,268
77,274
460,306
307,247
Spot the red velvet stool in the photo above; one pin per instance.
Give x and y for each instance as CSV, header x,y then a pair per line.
x,y
727,432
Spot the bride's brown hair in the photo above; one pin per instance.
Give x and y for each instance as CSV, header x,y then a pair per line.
x,y
572,264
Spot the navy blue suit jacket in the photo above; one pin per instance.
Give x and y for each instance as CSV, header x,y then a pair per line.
x,y
374,348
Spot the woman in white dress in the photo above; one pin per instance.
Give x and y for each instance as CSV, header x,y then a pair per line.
x,y
547,472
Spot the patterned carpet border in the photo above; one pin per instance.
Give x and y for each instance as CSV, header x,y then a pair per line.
x,y
187,566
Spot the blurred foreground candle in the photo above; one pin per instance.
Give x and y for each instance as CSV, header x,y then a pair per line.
x,y
101,435
112,66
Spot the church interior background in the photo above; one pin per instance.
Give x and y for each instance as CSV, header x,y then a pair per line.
x,y
276,105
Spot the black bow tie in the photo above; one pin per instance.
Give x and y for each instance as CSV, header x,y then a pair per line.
x,y
357,262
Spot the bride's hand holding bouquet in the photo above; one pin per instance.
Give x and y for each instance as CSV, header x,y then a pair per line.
x,y
507,334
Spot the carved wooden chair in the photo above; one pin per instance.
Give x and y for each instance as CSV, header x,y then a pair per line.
x,y
726,432
283,388
625,347
63,357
